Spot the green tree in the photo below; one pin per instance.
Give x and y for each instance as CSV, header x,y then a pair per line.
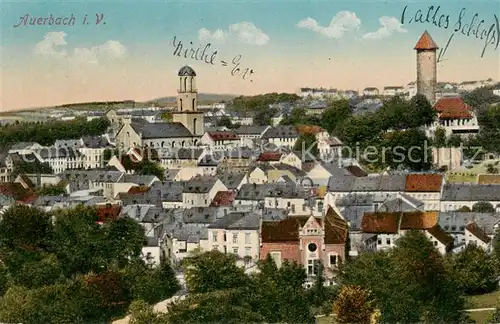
x,y
307,143
146,167
475,270
51,190
336,113
439,137
211,271
464,209
409,284
496,250
421,112
108,154
225,121
141,312
483,207
480,98
25,227
353,305
151,285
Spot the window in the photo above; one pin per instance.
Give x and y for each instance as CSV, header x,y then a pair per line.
x,y
333,260
235,238
277,258
214,237
312,268
435,243
379,241
388,241
247,238
248,251
312,247
235,250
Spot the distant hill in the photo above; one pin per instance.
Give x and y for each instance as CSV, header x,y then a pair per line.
x,y
202,97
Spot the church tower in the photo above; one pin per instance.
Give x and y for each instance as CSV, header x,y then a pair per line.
x,y
426,67
187,103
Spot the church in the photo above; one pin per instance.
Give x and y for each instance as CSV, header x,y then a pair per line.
x,y
185,130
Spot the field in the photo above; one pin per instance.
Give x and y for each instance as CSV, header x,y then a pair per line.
x,y
465,175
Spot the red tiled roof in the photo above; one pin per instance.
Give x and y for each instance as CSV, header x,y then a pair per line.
x,y
108,212
223,198
286,230
224,136
388,222
423,182
426,43
269,156
453,108
336,228
137,190
17,192
478,232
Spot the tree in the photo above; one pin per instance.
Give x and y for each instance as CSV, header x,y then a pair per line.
x,y
421,111
335,114
464,209
108,154
411,283
454,141
146,167
141,312
480,98
475,270
483,207
306,143
51,190
353,305
496,250
211,271
440,137
24,227
225,121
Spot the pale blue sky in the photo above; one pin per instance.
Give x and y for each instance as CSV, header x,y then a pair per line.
x,y
145,29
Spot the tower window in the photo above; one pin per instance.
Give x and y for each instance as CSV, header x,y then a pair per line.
x,y
194,104
180,101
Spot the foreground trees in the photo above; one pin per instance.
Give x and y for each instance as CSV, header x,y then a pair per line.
x,y
66,268
411,283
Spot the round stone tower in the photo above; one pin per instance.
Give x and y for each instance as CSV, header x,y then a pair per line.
x,y
426,67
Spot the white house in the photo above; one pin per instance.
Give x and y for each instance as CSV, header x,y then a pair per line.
x,y
393,91
236,233
457,195
281,136
220,140
200,191
455,117
370,91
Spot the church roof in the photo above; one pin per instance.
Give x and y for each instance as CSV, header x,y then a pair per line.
x,y
161,130
426,43
186,71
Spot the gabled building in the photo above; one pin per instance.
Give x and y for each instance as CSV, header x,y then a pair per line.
x,y
306,240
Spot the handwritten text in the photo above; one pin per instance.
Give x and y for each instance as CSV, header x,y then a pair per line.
x,y
468,26
51,20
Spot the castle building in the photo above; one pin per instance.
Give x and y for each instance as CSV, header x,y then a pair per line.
x,y
426,67
185,130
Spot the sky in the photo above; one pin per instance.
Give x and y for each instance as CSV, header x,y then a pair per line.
x,y
124,50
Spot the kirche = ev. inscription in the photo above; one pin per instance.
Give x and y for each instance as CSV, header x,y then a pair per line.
x,y
207,54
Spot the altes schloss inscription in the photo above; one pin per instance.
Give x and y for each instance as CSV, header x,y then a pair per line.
x,y
466,24
51,20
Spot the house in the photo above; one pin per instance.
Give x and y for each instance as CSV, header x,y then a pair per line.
x,y
252,194
323,172
236,233
200,191
425,187
455,223
220,140
390,226
457,195
93,151
455,117
182,239
306,240
297,159
249,133
270,157
329,148
370,91
180,158
4,170
393,91
281,136
236,161
37,180
316,107
294,199
476,235
60,159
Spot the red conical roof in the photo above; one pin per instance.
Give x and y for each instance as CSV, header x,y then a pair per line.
x,y
426,43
